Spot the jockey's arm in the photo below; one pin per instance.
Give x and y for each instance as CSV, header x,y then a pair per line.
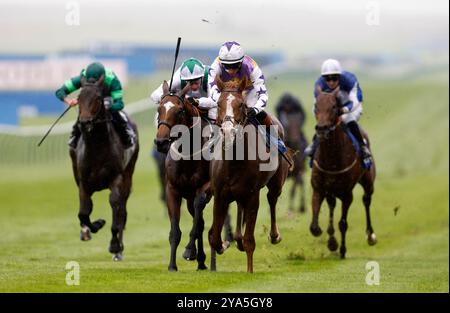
x,y
259,84
350,100
116,95
213,91
176,86
69,86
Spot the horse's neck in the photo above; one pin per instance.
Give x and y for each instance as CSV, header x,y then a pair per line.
x,y
336,151
100,138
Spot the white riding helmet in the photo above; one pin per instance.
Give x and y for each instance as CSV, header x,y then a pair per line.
x,y
192,69
331,66
231,52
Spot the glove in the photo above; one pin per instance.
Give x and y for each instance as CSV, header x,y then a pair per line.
x,y
251,112
193,101
347,107
108,102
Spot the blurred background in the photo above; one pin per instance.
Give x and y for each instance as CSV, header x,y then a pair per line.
x,y
398,49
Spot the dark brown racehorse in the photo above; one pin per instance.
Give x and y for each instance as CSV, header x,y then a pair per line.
x,y
241,180
337,168
101,162
186,177
292,117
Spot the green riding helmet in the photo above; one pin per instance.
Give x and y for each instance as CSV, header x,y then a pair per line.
x,y
94,71
192,69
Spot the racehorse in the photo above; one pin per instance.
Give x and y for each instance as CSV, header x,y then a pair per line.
x,y
186,177
100,162
241,180
337,168
292,116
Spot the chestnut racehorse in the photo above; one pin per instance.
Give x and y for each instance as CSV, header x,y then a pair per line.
x,y
241,180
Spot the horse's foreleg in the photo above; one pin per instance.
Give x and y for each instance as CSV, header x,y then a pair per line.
x,y
84,215
228,232
190,252
239,222
200,202
317,199
292,194
220,211
332,242
250,213
302,193
272,197
346,202
367,184
117,199
173,205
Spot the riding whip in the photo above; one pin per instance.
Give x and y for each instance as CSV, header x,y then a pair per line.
x,y
175,62
48,132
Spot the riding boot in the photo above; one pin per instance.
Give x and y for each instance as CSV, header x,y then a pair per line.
x,y
265,119
74,136
124,129
356,132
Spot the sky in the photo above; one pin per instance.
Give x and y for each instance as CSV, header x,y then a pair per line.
x,y
294,27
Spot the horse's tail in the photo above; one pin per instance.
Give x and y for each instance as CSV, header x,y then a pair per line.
x,y
290,154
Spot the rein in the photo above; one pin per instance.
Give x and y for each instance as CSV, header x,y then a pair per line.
x,y
335,172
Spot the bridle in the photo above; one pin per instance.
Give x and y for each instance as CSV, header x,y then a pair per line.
x,y
228,118
180,113
96,119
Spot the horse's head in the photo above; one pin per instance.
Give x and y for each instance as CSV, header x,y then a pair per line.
x,y
231,111
326,111
90,103
171,111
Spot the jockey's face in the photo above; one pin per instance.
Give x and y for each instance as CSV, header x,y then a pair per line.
x,y
232,69
332,81
195,84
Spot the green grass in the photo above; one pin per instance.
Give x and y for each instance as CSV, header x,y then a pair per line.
x,y
408,124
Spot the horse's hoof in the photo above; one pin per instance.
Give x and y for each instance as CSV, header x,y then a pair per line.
x,y
115,246
173,268
372,239
342,252
240,244
190,254
97,225
117,257
225,245
275,239
315,231
332,244
302,209
85,234
202,267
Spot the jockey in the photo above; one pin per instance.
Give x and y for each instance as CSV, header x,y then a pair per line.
x,y
350,100
194,73
234,65
113,101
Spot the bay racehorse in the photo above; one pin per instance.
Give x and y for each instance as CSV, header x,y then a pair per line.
x,y
292,116
186,177
100,162
241,180
337,168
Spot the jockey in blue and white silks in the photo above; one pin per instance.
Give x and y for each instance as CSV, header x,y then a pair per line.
x,y
350,98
